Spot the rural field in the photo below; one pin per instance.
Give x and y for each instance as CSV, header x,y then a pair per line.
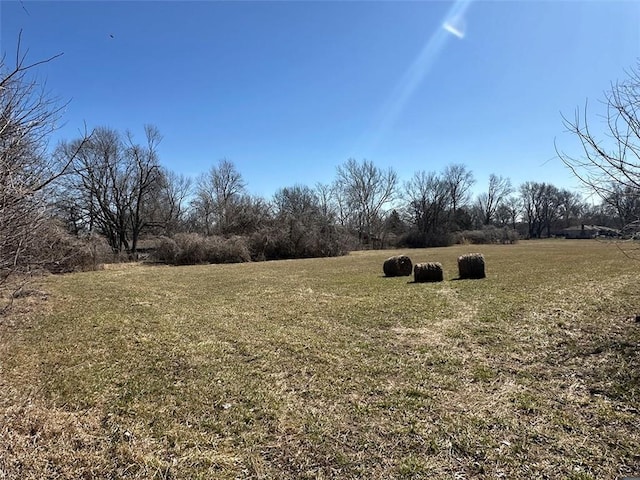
x,y
323,368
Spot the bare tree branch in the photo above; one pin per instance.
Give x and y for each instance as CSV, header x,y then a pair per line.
x,y
609,161
28,116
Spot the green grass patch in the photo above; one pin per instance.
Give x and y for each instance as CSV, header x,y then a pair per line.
x,y
323,368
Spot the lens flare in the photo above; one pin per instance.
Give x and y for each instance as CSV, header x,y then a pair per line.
x,y
455,26
453,23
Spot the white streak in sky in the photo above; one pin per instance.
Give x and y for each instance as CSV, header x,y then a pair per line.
x,y
453,29
453,23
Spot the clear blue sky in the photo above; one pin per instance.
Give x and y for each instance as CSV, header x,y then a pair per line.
x,y
289,90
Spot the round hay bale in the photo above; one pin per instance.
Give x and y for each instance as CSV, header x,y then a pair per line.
x,y
398,266
471,265
428,272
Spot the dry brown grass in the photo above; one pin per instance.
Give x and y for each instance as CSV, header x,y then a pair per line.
x,y
323,369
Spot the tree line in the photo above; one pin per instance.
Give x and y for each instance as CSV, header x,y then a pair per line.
x,y
117,188
108,187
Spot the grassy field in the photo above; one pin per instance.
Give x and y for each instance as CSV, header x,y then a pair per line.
x,y
323,368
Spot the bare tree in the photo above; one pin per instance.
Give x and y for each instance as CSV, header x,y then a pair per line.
x,y
487,203
609,161
341,204
552,207
217,195
531,194
298,202
144,177
28,115
300,227
297,212
366,191
170,203
459,181
571,207
600,214
543,204
508,212
428,197
625,202
250,214
202,212
112,181
326,199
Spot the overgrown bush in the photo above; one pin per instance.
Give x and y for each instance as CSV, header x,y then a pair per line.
x,y
166,251
227,250
63,253
417,239
276,243
270,244
57,251
193,248
488,235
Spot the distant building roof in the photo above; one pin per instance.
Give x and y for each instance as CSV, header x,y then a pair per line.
x,y
588,231
591,228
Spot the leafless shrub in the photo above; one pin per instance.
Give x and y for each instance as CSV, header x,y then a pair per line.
x,y
61,252
193,248
166,250
488,235
227,250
